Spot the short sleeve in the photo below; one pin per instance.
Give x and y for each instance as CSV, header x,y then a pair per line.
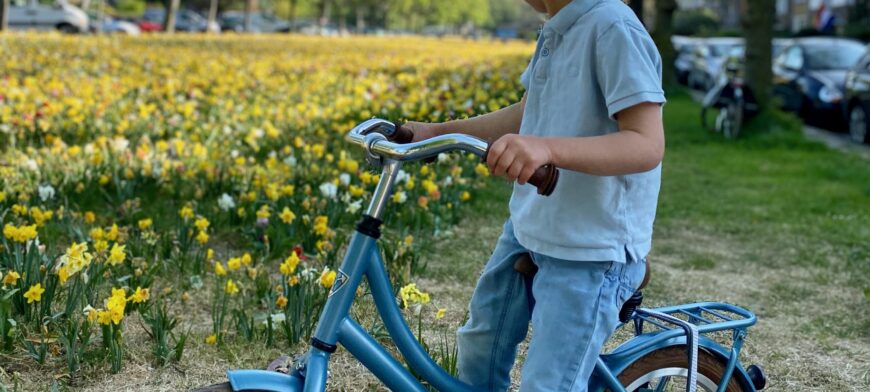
x,y
524,78
628,67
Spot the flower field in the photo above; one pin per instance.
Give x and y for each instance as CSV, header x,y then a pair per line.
x,y
142,177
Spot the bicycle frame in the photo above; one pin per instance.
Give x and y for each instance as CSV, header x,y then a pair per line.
x,y
363,259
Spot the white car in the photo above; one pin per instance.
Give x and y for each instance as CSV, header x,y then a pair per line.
x,y
35,15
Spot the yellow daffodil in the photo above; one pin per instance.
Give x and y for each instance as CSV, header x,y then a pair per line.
x,y
327,278
34,293
112,234
186,213
219,269
145,224
201,224
234,263
287,216
117,254
140,295
231,287
20,234
288,267
481,170
412,295
11,278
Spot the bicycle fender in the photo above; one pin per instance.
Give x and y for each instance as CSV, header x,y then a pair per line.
x,y
262,380
629,352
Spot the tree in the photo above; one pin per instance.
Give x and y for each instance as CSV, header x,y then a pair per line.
x,y
758,31
323,8
637,7
662,36
250,7
4,11
171,12
291,14
212,14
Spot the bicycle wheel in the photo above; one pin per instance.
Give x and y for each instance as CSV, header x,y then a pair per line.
x,y
666,369
734,119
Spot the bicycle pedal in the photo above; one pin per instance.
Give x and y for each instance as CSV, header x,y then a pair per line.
x,y
630,306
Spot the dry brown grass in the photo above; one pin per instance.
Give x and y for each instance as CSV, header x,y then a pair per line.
x,y
808,337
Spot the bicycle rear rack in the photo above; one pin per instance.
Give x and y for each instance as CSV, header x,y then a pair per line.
x,y
690,320
707,316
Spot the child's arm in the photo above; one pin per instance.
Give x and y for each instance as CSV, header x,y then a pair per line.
x,y
637,147
489,127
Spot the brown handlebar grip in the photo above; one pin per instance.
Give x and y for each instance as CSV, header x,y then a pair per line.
x,y
402,135
545,178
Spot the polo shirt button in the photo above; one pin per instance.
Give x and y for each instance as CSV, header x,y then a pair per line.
x,y
545,52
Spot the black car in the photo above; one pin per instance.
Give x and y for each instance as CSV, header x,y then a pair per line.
x,y
810,75
185,20
260,22
857,100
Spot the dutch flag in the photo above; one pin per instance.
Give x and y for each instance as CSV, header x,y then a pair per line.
x,y
824,18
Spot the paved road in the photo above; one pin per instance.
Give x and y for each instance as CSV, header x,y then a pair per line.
x,y
837,141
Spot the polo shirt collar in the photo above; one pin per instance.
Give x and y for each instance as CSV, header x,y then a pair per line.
x,y
568,15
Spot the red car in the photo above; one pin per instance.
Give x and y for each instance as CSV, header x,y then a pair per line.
x,y
148,26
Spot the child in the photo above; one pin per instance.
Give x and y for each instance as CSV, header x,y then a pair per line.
x,y
592,108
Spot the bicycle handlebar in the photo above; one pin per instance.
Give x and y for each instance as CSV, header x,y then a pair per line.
x,y
383,138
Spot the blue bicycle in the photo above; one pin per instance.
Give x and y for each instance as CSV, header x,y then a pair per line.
x,y
670,344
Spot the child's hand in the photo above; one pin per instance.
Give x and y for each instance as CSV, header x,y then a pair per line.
x,y
516,157
421,131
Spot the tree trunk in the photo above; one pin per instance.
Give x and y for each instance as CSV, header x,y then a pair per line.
x,y
323,14
637,7
250,7
292,17
169,21
664,27
758,31
4,12
212,15
360,18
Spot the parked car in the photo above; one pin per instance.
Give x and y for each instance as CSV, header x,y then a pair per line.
x,y
707,59
108,24
185,20
149,26
260,22
37,15
810,75
685,48
857,99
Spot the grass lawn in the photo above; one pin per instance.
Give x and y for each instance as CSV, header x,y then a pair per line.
x,y
771,222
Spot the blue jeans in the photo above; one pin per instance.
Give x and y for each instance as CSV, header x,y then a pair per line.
x,y
575,309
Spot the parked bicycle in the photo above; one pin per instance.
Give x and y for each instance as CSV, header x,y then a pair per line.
x,y
732,98
670,343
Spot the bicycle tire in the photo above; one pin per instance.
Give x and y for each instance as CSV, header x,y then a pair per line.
x,y
735,114
674,359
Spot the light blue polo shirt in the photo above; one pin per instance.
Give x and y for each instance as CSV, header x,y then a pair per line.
x,y
593,59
